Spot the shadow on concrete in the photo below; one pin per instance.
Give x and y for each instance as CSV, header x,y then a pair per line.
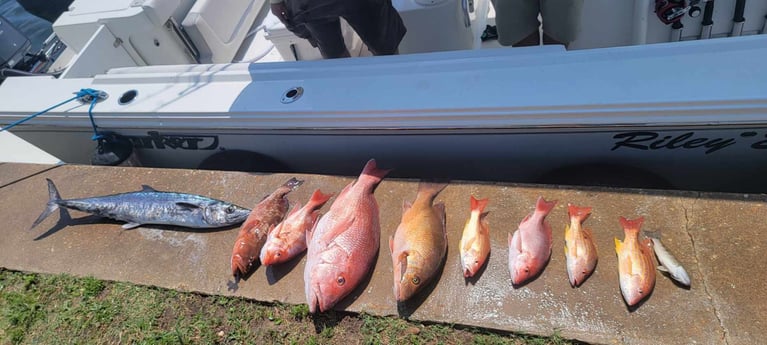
x,y
276,272
407,308
66,220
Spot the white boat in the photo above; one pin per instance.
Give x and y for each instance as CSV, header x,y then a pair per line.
x,y
193,85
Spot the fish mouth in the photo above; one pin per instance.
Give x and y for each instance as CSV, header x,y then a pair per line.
x,y
314,299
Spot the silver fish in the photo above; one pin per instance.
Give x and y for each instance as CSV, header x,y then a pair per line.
x,y
668,262
149,206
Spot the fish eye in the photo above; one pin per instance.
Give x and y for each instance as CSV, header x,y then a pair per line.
x,y
527,270
277,254
230,209
416,280
341,281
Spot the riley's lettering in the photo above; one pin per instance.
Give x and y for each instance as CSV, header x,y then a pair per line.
x,y
155,140
642,140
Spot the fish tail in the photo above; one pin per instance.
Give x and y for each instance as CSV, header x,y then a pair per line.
x,y
293,183
430,189
372,170
579,213
478,205
318,199
632,225
544,206
53,204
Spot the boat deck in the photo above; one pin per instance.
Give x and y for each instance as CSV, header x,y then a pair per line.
x,y
716,237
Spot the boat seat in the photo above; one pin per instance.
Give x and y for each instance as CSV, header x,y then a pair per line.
x,y
218,27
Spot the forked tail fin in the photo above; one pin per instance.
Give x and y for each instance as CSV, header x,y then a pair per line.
x,y
579,213
318,199
53,199
631,226
371,169
544,206
478,204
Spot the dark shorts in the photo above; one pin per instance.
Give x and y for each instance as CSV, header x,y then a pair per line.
x,y
376,22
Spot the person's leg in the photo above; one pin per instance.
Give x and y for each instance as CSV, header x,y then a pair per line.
x,y
517,22
327,34
561,20
377,23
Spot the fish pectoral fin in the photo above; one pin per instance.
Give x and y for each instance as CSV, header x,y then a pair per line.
x,y
402,260
187,206
662,268
391,244
128,226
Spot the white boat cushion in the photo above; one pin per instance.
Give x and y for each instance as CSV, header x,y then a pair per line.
x,y
218,27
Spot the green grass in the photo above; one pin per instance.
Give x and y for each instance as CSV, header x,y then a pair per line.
x,y
61,309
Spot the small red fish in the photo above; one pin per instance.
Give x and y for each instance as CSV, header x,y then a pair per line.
x,y
530,246
262,219
580,251
344,243
475,240
636,269
288,239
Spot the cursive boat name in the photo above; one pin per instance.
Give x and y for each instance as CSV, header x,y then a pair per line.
x,y
643,140
156,140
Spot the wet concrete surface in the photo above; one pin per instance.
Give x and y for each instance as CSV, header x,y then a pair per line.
x,y
717,238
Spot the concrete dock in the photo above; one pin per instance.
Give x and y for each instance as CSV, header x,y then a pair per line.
x,y
720,239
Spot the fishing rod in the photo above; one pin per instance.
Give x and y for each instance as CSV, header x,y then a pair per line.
x,y
738,19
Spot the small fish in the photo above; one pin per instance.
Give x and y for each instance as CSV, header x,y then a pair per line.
x,y
149,206
288,239
580,251
668,262
343,245
262,219
530,245
419,244
475,241
636,269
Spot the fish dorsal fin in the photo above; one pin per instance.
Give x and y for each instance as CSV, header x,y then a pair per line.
x,y
187,206
618,246
147,188
128,226
406,205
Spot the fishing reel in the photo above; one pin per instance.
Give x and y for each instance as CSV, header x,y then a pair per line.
x,y
672,11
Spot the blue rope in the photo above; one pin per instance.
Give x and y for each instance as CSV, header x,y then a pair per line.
x,y
94,94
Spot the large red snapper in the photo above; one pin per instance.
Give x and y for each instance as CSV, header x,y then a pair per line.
x,y
419,244
530,246
343,245
262,219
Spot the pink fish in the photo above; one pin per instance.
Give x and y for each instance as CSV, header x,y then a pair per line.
x,y
530,246
261,220
475,240
288,239
636,267
344,243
